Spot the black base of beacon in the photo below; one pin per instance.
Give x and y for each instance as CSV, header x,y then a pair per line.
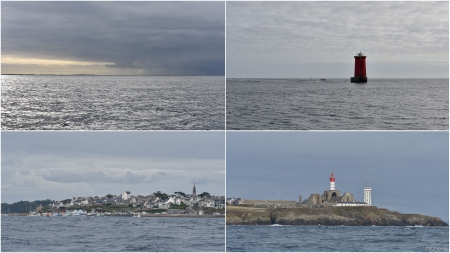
x,y
358,79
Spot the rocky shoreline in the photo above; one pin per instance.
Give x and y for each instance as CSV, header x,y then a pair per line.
x,y
329,216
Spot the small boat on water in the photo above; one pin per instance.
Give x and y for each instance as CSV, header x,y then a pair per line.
x,y
32,213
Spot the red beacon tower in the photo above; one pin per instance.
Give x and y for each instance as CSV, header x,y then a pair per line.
x,y
360,69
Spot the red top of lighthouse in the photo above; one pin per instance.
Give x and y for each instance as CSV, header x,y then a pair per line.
x,y
332,177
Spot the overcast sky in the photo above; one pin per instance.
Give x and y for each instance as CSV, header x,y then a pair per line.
x,y
61,165
132,38
408,171
319,39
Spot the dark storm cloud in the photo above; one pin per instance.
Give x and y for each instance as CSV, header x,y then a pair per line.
x,y
408,170
165,38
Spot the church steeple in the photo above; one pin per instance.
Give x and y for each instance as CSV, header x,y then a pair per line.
x,y
194,191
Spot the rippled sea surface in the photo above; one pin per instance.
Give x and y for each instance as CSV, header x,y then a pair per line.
x,y
113,102
337,104
78,233
336,238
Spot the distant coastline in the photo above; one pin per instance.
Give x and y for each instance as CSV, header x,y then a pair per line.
x,y
148,215
157,204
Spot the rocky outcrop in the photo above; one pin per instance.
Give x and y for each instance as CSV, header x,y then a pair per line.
x,y
331,216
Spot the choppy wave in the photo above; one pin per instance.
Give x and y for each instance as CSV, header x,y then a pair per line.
x,y
278,225
337,104
335,238
57,234
112,103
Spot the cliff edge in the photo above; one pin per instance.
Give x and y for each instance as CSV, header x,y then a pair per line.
x,y
329,216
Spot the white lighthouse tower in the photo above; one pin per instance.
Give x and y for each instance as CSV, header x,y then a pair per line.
x,y
368,194
332,179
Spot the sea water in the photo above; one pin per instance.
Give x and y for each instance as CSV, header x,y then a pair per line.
x,y
337,104
83,233
113,102
336,238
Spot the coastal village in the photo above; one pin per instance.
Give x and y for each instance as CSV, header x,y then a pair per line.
x,y
126,204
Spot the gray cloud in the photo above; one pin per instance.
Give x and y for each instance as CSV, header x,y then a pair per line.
x,y
65,176
274,36
164,38
73,177
34,164
30,183
203,180
155,178
131,178
116,144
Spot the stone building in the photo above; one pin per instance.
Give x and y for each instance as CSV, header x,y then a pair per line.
x,y
332,197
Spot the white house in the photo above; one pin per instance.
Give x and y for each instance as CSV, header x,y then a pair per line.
x,y
171,200
178,201
126,195
84,202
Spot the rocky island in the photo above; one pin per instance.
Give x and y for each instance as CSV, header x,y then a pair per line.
x,y
332,208
329,216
